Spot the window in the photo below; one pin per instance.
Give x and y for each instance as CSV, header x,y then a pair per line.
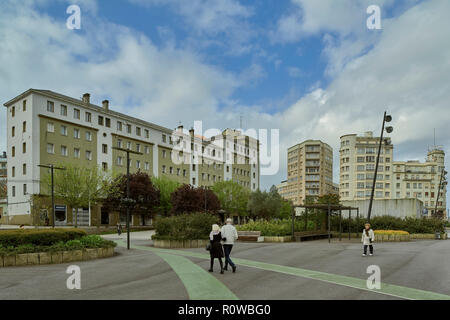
x,y
64,151
138,147
104,148
76,133
88,155
164,138
63,110
50,106
50,148
13,173
88,136
24,169
76,153
138,131
76,114
100,120
119,161
50,127
88,117
64,130
147,133
128,128
13,131
13,111
147,166
164,153
108,122
13,191
24,126
119,126
128,145
119,143
24,105
24,147
163,169
138,164
105,166
147,149
171,170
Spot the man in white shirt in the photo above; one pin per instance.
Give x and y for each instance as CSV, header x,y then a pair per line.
x,y
230,235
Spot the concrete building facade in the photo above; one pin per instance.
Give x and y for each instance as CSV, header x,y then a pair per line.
x,y
44,127
309,171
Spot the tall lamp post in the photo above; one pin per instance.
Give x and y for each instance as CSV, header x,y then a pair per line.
x,y
442,182
386,118
52,170
127,201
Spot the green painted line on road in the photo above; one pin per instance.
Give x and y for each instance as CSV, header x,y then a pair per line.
x,y
352,282
199,283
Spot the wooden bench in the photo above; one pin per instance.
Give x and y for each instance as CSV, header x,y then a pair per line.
x,y
310,235
253,236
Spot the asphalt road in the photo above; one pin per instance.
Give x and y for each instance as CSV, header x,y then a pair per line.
x,y
319,271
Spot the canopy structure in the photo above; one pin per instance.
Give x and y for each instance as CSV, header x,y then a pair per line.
x,y
329,209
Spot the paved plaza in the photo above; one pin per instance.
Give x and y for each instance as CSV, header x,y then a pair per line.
x,y
307,270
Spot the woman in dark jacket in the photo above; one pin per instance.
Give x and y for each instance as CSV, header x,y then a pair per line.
x,y
215,238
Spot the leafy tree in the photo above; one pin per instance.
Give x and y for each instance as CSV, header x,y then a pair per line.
x,y
187,199
166,187
143,194
232,196
266,205
3,189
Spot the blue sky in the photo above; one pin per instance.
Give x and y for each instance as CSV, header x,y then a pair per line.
x,y
309,68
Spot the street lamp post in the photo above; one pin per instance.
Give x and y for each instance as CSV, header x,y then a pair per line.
x,y
386,118
442,182
128,202
52,169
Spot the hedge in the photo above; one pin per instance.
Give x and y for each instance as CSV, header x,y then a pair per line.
x,y
276,228
410,225
195,226
85,242
43,237
389,232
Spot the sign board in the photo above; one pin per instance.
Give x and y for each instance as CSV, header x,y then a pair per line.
x,y
299,211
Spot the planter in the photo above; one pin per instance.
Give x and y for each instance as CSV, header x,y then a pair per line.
x,y
45,258
278,239
9,261
33,258
57,257
77,255
180,243
21,259
67,256
90,254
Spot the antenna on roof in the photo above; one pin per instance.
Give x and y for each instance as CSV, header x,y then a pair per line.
x,y
240,120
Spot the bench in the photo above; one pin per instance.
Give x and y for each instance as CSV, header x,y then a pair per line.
x,y
310,235
253,236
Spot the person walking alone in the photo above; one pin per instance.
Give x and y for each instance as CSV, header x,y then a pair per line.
x,y
367,239
229,235
216,250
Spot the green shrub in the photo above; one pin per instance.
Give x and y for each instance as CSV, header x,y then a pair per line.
x,y
92,241
45,237
276,228
411,225
74,245
184,227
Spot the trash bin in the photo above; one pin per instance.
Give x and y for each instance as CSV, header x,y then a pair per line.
x,y
438,235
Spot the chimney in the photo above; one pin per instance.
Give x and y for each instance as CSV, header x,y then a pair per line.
x,y
191,132
4,154
105,104
87,98
180,128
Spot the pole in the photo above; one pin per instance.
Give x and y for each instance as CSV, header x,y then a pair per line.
x,y
340,225
292,226
376,169
329,225
349,222
439,191
128,197
306,219
53,197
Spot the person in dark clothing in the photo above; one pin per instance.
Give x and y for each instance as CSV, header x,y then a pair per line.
x,y
216,251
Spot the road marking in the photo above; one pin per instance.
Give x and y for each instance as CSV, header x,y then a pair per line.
x,y
199,284
352,282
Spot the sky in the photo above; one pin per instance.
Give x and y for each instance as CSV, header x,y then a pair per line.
x,y
311,69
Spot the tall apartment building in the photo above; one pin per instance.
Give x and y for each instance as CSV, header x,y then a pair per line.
x,y
395,179
358,156
3,166
44,127
420,180
310,171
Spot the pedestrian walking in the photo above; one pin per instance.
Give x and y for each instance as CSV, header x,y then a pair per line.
x,y
230,235
119,229
367,239
216,250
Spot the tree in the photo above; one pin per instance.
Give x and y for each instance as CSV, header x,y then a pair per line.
x,y
3,189
232,196
319,216
187,199
77,186
145,197
166,187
